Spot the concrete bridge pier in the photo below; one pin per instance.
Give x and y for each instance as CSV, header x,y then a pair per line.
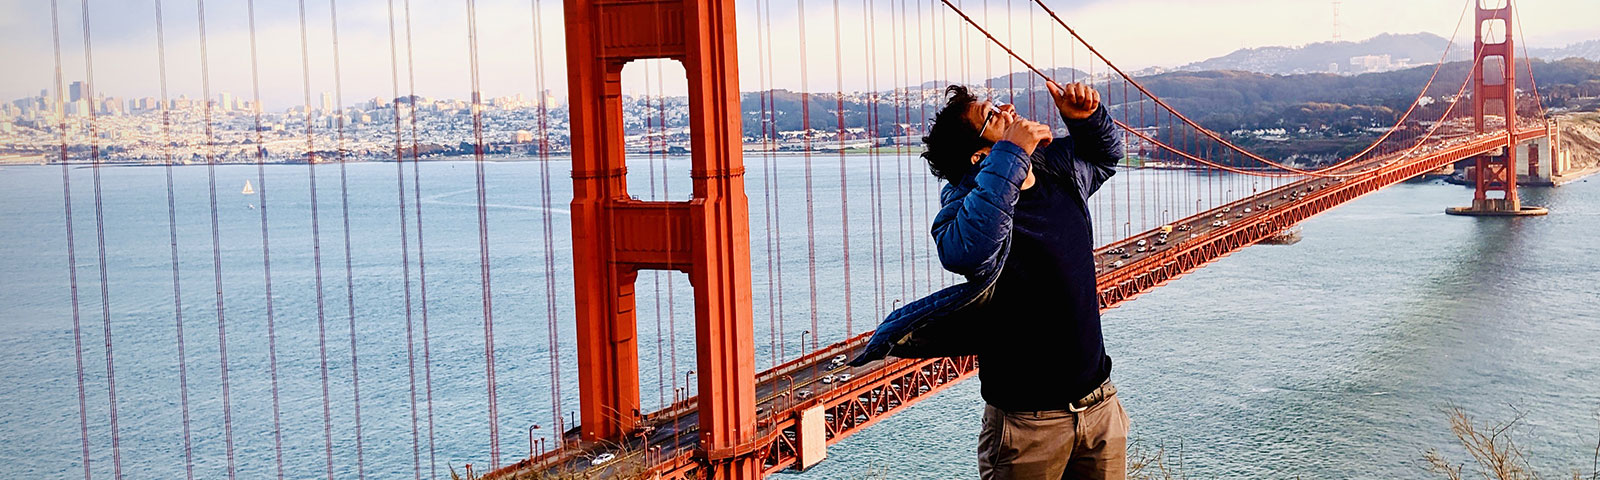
x,y
1541,167
1490,174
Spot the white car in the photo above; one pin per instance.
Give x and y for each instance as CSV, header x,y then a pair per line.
x,y
827,378
839,359
844,377
601,459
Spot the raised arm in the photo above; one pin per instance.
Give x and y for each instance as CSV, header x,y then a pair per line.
x,y
1092,148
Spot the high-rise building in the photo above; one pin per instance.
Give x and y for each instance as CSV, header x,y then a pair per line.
x,y
225,101
327,102
77,91
550,100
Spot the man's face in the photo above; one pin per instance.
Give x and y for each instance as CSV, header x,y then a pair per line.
x,y
991,118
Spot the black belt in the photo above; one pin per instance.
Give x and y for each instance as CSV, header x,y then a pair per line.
x,y
1106,390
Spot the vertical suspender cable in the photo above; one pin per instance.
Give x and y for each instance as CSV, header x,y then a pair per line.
x,y
266,245
483,236
172,242
898,96
100,245
771,163
875,169
922,125
216,247
650,153
661,122
902,163
666,193
766,190
72,253
344,208
805,139
316,248
844,178
405,245
422,263
553,332
421,256
72,258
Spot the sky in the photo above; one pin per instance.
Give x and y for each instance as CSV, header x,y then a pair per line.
x,y
909,40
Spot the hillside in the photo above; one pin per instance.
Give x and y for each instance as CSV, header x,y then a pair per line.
x,y
1589,50
1228,100
1401,49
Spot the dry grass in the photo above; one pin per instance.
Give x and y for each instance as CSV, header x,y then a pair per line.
x,y
1146,463
1494,451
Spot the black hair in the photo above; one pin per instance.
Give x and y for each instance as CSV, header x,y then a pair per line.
x,y
952,139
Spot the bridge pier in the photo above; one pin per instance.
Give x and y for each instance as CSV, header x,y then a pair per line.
x,y
1495,78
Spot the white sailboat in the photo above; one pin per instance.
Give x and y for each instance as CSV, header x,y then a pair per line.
x,y
248,190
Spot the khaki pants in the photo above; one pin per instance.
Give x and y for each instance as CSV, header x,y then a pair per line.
x,y
1057,444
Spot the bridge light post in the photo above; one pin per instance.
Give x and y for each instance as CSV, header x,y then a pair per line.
x,y
687,382
790,395
530,439
803,339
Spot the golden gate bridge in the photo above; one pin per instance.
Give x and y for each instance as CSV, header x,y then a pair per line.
x,y
738,420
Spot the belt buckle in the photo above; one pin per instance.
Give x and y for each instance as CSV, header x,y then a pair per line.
x,y
1098,395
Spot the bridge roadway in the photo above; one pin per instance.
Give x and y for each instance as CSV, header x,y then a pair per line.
x,y
665,443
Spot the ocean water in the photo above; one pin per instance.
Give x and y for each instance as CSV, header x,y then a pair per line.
x,y
1331,358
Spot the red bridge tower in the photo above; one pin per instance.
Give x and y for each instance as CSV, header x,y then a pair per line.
x,y
1494,83
708,237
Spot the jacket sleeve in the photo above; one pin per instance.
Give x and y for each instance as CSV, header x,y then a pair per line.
x,y
974,220
1088,155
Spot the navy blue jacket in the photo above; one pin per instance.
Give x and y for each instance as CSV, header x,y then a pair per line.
x,y
973,234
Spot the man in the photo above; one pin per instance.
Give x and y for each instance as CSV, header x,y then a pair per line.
x,y
1015,221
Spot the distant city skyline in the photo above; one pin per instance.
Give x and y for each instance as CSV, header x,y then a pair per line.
x,y
125,61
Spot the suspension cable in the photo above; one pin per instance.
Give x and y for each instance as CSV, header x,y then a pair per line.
x,y
344,214
405,246
172,237
422,262
266,244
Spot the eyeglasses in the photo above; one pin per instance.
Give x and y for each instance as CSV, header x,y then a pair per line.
x,y
994,107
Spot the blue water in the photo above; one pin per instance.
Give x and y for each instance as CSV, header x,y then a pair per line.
x,y
1329,358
